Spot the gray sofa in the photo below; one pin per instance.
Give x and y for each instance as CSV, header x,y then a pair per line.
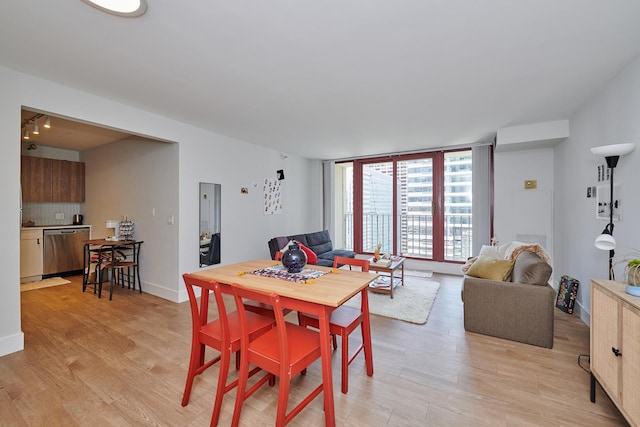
x,y
520,309
319,242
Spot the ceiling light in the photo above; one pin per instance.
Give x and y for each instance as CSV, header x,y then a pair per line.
x,y
126,8
25,133
36,128
47,123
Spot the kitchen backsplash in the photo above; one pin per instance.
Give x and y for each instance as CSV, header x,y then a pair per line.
x,y
50,213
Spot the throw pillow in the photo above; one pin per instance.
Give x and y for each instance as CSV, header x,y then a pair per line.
x,y
530,269
467,265
491,251
312,258
487,267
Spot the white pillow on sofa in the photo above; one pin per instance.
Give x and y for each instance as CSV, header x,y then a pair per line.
x,y
490,251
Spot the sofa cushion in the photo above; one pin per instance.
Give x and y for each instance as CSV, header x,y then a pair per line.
x,y
530,269
302,238
486,267
282,241
319,242
325,262
336,252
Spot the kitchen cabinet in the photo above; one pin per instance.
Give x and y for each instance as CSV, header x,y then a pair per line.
x,y
615,346
31,254
52,180
35,177
67,181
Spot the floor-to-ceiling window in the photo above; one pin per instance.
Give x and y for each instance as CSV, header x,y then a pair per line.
x,y
417,205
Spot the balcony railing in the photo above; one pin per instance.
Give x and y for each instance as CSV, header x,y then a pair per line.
x,y
416,235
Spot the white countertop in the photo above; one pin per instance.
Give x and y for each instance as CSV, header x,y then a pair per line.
x,y
48,227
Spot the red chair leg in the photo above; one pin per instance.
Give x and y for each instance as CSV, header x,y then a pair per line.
x,y
345,363
283,399
195,361
240,392
222,387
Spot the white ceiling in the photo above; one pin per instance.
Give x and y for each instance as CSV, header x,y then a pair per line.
x,y
333,78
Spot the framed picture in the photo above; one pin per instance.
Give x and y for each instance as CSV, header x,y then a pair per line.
x,y
603,200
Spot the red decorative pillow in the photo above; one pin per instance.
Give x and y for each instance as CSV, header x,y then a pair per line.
x,y
312,258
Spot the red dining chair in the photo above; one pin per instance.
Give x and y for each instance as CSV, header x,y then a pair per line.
x,y
284,351
261,308
222,334
343,321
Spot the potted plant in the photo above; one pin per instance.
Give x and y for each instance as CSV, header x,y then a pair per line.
x,y
631,272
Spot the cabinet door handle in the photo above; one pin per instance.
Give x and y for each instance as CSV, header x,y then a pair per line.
x,y
616,352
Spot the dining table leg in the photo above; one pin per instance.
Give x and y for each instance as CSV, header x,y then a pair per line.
x,y
366,331
327,379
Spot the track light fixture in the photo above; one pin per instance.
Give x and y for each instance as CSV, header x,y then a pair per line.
x,y
33,121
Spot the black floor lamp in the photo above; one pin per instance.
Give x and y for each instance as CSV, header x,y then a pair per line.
x,y
605,241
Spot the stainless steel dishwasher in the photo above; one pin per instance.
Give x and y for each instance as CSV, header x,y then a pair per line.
x,y
63,250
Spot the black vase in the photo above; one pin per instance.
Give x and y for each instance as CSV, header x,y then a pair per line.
x,y
294,258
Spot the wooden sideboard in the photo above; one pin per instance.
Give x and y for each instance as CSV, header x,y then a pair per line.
x,y
615,346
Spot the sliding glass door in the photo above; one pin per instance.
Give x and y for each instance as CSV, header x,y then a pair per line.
x,y
417,205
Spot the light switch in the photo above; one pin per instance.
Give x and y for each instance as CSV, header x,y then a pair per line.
x,y
60,215
170,219
530,184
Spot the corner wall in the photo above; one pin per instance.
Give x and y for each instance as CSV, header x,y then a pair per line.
x,y
612,117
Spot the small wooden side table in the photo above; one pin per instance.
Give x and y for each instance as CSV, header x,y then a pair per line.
x,y
380,285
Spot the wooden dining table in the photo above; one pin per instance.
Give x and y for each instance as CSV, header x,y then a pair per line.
x,y
319,296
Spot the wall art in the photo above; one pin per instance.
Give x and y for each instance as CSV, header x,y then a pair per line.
x,y
603,200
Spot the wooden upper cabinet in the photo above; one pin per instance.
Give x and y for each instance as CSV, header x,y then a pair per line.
x,y
50,180
67,181
36,179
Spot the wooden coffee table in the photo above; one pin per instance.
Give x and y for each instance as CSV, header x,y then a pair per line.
x,y
378,285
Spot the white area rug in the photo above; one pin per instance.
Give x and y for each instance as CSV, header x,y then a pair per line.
x,y
411,302
53,281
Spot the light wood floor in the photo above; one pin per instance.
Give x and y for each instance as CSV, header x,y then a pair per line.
x,y
93,362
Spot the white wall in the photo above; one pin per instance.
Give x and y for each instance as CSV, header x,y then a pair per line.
x,y
201,156
612,117
130,178
11,337
520,211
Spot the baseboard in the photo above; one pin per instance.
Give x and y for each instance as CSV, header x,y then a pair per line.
x,y
584,314
435,267
164,293
11,344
